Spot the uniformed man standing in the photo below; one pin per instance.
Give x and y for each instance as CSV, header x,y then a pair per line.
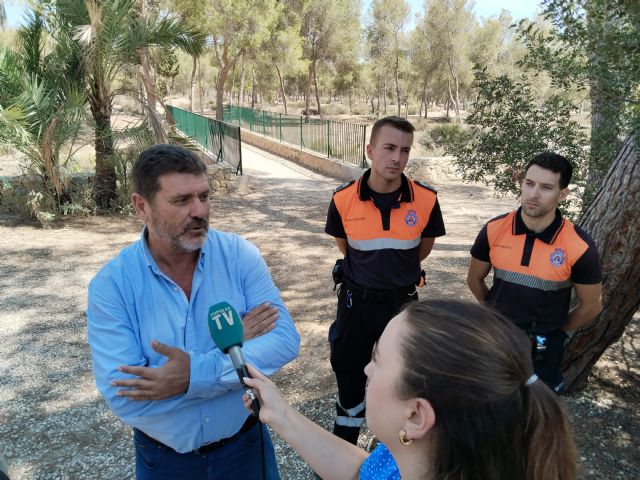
x,y
537,258
385,225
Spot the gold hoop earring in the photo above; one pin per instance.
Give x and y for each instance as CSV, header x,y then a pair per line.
x,y
403,438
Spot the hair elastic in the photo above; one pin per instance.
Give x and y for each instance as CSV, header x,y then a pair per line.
x,y
532,379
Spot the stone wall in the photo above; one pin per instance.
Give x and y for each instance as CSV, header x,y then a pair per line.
x,y
304,158
222,176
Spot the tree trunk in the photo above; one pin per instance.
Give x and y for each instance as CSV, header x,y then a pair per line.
x,y
424,99
148,77
378,90
606,111
307,95
284,96
449,97
222,78
241,92
233,83
315,84
396,78
253,87
150,111
169,86
384,94
149,82
454,99
192,91
104,191
613,220
200,89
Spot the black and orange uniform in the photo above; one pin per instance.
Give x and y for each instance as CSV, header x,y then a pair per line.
x,y
533,274
381,270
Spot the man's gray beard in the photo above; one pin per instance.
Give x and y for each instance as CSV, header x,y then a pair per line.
x,y
180,242
188,246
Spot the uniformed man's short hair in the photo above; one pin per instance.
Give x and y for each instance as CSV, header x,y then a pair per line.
x,y
398,123
160,160
554,162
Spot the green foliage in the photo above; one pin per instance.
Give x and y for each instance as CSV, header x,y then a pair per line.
x,y
167,67
41,106
508,125
442,137
594,46
108,36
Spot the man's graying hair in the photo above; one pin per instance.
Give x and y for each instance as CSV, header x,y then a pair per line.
x,y
160,160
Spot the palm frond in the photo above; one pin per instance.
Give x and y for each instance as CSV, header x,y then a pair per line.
x,y
139,134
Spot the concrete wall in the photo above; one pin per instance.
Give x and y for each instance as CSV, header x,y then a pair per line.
x,y
304,158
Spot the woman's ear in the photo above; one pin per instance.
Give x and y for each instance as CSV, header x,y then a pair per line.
x,y
420,420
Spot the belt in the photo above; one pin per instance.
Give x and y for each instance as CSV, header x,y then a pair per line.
x,y
382,296
210,447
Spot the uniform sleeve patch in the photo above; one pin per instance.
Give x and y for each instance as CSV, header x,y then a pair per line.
x,y
426,185
343,186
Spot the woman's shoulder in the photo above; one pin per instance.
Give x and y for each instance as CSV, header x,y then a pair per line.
x,y
379,465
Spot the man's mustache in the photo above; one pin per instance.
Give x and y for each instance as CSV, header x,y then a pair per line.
x,y
197,223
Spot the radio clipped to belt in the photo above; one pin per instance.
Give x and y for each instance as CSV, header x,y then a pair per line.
x,y
337,273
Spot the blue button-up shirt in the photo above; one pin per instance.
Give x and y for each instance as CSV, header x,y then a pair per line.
x,y
131,302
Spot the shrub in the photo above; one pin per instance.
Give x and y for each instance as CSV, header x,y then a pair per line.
x,y
442,137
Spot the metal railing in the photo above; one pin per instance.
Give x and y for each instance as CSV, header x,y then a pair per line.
x,y
220,139
340,140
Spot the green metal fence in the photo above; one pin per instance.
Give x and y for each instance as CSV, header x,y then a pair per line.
x,y
218,138
340,140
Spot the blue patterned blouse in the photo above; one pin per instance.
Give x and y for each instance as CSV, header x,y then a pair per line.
x,y
380,465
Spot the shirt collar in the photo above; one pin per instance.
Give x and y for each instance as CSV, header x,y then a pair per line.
x,y
364,192
548,235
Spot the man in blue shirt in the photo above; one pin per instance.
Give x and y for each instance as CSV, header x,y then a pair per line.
x,y
153,358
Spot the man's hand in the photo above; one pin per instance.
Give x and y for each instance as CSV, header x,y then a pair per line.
x,y
260,320
157,383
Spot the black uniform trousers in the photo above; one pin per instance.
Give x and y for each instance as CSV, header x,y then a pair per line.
x,y
361,317
546,352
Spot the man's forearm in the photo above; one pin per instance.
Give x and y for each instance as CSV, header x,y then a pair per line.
x,y
581,315
478,288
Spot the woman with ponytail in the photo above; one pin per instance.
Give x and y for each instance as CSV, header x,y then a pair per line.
x,y
451,396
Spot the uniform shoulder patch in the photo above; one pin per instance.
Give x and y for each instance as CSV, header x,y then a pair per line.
x,y
343,186
425,185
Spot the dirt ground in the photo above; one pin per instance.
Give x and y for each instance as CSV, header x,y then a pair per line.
x,y
54,424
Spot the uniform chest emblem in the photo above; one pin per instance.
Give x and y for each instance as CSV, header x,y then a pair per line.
x,y
557,257
411,218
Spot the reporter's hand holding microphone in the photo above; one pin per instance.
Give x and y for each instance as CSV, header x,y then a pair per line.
x,y
273,408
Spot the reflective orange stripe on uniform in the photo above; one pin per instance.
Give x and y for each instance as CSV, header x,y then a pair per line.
x,y
362,221
550,265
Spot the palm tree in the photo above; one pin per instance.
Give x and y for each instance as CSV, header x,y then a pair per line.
x,y
41,104
108,35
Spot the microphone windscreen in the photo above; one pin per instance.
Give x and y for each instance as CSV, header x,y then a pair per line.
x,y
225,326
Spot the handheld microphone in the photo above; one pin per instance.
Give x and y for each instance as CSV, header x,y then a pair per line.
x,y
226,331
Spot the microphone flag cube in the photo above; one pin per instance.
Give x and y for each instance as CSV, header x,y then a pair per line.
x,y
225,326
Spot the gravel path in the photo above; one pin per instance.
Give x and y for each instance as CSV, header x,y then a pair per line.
x,y
54,424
